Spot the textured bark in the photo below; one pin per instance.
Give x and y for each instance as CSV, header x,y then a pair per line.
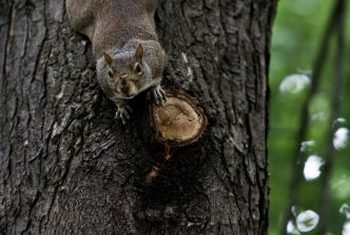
x,y
67,167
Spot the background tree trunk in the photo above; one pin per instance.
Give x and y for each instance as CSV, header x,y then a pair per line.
x,y
67,167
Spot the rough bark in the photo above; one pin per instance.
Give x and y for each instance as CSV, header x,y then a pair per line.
x,y
66,166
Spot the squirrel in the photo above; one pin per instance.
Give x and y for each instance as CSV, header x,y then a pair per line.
x,y
129,56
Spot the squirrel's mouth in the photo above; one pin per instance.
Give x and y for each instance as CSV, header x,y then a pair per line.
x,y
129,96
128,91
126,95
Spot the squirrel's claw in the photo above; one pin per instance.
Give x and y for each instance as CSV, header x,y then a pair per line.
x,y
123,113
159,95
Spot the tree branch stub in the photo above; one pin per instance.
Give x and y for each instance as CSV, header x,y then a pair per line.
x,y
179,121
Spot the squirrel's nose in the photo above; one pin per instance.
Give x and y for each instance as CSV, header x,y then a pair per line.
x,y
123,79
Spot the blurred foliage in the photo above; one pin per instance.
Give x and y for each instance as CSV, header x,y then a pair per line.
x,y
298,28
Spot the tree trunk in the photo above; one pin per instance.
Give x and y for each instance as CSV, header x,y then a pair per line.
x,y
66,165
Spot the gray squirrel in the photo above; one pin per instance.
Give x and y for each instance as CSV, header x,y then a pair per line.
x,y
129,57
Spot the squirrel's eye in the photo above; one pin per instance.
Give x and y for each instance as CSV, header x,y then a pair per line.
x,y
110,74
138,69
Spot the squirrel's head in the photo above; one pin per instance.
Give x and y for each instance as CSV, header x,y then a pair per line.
x,y
127,72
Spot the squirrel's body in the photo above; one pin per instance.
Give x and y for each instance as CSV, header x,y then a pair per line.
x,y
129,56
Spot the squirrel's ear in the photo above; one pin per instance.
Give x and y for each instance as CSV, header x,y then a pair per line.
x,y
108,58
139,52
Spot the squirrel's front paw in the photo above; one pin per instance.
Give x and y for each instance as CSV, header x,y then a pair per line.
x,y
123,113
159,95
